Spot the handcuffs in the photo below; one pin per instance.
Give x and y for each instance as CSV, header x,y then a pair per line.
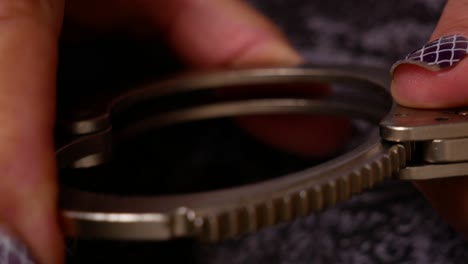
x,y
409,144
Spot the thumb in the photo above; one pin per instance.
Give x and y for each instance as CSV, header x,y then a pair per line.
x,y
28,46
435,77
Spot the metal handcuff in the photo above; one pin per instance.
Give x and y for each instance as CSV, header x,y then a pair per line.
x,y
412,144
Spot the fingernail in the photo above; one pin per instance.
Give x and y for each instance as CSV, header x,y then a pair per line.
x,y
12,251
437,55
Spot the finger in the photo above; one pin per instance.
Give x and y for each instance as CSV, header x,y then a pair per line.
x,y
205,33
229,33
308,136
224,33
437,83
440,85
28,43
221,33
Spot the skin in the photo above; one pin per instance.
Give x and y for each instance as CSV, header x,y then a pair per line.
x,y
239,38
417,87
28,44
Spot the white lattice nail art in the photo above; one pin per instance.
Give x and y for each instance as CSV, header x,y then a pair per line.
x,y
12,251
439,54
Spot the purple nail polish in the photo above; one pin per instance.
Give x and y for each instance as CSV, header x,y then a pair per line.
x,y
439,54
12,251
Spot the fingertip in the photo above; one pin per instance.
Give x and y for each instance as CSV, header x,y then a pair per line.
x,y
272,52
418,87
227,33
409,86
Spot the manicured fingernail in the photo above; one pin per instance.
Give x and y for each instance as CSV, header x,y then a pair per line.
x,y
12,251
437,55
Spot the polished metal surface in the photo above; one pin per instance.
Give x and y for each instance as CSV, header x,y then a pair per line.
x,y
431,171
407,124
224,213
439,137
445,150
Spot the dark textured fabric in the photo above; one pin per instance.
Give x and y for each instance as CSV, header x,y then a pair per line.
x,y
393,223
355,31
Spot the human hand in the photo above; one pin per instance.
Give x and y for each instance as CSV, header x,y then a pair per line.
x,y
205,34
416,86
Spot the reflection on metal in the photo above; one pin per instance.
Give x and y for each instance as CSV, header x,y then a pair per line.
x,y
410,143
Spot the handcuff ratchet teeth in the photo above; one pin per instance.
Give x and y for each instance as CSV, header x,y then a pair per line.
x,y
411,144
